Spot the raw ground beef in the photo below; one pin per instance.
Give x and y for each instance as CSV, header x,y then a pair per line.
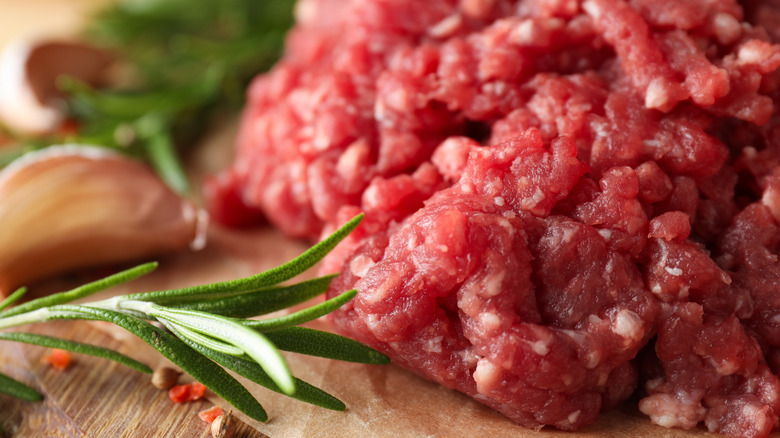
x,y
567,202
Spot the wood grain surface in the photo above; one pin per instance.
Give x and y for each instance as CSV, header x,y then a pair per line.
x,y
97,398
93,397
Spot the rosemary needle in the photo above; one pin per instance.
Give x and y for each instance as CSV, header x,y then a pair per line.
x,y
18,389
77,347
14,297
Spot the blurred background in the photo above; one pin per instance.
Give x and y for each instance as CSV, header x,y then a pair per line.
x,y
48,17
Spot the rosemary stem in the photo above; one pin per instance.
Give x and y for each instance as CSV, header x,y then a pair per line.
x,y
107,304
39,315
116,304
143,307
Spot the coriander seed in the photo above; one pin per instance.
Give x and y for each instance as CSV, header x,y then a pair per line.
x,y
165,377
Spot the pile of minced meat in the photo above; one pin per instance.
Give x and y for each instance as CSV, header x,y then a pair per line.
x,y
567,202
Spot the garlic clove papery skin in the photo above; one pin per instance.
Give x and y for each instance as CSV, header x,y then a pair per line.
x,y
29,69
70,207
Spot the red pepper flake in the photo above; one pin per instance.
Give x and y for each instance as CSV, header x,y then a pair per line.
x,y
197,390
68,128
59,359
210,414
179,393
186,393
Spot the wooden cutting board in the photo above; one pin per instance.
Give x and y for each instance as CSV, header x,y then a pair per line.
x,y
97,398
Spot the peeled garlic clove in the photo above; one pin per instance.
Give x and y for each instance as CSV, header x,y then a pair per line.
x,y
69,207
28,80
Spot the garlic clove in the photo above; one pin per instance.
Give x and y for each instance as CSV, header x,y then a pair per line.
x,y
28,80
69,207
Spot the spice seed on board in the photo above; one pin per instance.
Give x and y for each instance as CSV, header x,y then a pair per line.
x,y
165,377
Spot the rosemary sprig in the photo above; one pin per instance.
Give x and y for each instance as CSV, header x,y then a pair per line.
x,y
207,332
302,316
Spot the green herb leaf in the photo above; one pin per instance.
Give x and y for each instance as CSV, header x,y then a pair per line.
x,y
323,344
14,297
301,316
18,389
165,161
82,291
272,276
76,347
263,301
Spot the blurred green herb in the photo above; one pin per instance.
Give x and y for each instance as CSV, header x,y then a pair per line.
x,y
206,330
182,63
